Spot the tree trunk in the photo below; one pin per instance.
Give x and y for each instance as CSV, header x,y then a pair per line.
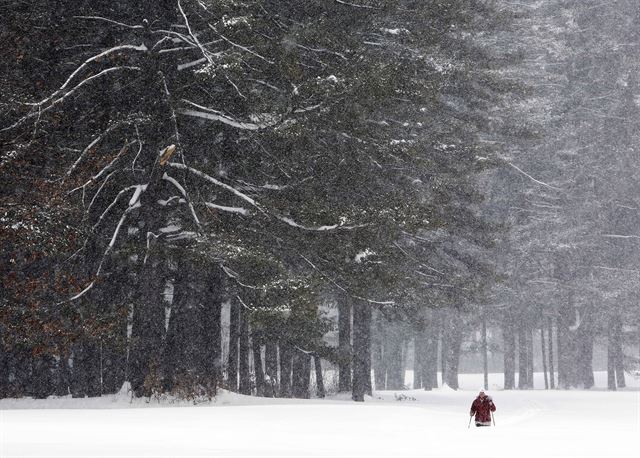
x,y
148,328
544,357
567,351
257,365
301,371
234,337
85,379
319,378
361,350
418,356
485,356
285,370
393,356
615,355
377,350
63,376
271,368
211,316
344,345
509,339
452,341
244,350
430,359
551,367
523,358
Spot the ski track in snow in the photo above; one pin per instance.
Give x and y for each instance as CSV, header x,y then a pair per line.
x,y
532,423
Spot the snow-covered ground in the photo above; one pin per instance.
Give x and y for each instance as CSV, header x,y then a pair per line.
x,y
415,423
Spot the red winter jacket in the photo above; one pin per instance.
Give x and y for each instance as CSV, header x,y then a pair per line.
x,y
482,408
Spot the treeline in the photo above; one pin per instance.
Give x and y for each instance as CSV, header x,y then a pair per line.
x,y
161,159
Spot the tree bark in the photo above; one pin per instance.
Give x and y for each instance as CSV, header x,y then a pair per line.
x,y
257,365
430,359
377,350
319,377
285,370
271,368
361,350
393,356
301,371
509,341
523,358
453,339
148,328
244,350
234,337
544,357
485,356
551,367
344,346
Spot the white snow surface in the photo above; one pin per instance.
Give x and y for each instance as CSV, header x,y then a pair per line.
x,y
411,423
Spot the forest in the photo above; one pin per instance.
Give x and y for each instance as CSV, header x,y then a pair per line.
x,y
252,195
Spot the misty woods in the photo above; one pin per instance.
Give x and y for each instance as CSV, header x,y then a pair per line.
x,y
289,198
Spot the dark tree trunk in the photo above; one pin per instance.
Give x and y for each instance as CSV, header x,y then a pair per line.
x,y
5,357
523,358
611,363
148,328
567,374
430,358
393,356
319,377
361,350
509,338
257,365
42,382
442,324
301,367
285,370
452,341
418,358
271,369
585,357
85,379
234,337
63,376
243,368
377,351
368,389
485,356
211,316
344,345
551,366
615,366
544,357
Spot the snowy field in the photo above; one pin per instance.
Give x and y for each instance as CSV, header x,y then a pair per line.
x,y
412,423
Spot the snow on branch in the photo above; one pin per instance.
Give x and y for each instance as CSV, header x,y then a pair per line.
x,y
533,179
214,115
86,63
111,21
183,191
243,48
355,5
218,183
238,210
98,139
332,227
193,36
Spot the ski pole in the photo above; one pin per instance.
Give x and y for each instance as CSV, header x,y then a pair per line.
x,y
493,419
470,417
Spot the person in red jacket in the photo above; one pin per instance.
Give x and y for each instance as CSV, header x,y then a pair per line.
x,y
482,407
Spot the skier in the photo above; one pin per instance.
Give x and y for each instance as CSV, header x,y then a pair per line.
x,y
482,407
